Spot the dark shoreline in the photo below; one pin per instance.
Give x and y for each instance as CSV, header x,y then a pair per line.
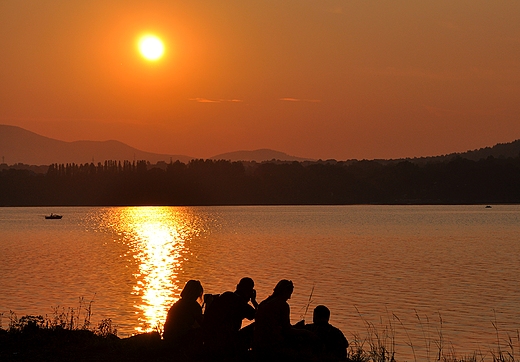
x,y
37,344
217,183
483,204
31,342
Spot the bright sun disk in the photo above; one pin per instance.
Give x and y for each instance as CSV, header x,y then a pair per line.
x,y
151,47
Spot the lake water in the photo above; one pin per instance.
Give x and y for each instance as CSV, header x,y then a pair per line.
x,y
417,275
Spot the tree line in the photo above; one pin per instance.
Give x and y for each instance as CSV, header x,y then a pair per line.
x,y
210,182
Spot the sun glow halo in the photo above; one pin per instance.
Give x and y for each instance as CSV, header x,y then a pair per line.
x,y
151,47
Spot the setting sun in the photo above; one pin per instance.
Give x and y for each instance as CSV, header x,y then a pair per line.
x,y
151,47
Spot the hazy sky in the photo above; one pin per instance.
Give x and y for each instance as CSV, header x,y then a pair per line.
x,y
313,78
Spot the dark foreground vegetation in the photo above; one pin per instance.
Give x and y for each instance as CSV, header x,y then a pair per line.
x,y
37,343
208,182
63,338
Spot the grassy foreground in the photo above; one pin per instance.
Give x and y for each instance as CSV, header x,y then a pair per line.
x,y
69,336
379,344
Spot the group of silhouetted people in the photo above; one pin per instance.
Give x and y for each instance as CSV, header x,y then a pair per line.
x,y
217,334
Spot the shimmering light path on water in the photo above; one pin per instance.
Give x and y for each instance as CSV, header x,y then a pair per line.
x,y
424,275
155,238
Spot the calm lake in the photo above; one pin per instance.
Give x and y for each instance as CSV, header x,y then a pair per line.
x,y
421,275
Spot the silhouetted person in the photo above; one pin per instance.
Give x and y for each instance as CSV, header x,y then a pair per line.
x,y
331,344
182,329
274,338
224,338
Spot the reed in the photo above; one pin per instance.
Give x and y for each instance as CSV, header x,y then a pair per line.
x,y
505,346
378,343
62,318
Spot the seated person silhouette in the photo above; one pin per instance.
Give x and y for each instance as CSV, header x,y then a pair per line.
x,y
331,344
275,339
224,338
182,329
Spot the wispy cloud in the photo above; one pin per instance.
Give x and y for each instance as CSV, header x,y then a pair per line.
x,y
206,100
290,99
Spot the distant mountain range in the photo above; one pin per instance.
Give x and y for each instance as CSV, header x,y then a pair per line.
x,y
258,156
500,150
18,145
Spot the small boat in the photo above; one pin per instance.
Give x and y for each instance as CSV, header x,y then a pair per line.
x,y
53,216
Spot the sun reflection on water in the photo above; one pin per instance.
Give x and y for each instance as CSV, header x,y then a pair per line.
x,y
156,237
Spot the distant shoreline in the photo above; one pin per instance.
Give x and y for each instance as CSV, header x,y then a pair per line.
x,y
219,183
484,205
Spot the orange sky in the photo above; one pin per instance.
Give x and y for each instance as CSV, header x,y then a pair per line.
x,y
320,79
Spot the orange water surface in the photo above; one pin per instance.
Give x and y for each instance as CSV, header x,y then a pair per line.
x,y
420,277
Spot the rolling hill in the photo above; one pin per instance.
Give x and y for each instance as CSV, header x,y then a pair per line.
x,y
258,156
18,145
500,150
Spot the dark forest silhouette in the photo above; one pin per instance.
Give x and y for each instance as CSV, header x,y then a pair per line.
x,y
210,182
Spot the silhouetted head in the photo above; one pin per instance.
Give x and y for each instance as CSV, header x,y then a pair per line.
x,y
321,315
245,287
192,290
283,289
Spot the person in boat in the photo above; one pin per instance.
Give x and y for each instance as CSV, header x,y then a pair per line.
x,y
275,339
182,328
224,339
330,343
